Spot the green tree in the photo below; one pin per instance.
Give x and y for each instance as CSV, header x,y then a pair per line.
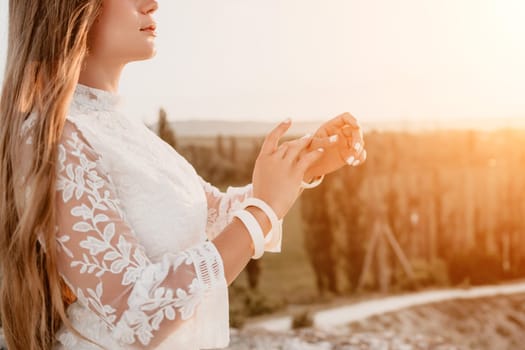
x,y
319,238
165,131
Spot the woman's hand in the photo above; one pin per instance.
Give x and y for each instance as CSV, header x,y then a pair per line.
x,y
349,148
279,169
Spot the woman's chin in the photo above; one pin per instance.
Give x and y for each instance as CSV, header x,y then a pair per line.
x,y
145,55
151,54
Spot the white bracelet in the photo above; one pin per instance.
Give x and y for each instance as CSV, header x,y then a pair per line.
x,y
312,184
267,209
275,232
254,229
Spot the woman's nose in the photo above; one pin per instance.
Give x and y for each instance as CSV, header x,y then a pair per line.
x,y
149,6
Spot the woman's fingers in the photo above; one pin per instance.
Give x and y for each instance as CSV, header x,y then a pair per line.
x,y
356,137
346,126
272,139
350,119
355,146
295,147
360,159
325,142
280,152
362,156
342,120
308,159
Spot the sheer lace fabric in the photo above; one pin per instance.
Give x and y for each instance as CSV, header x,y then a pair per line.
x,y
133,229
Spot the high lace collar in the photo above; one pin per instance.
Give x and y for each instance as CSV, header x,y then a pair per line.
x,y
96,99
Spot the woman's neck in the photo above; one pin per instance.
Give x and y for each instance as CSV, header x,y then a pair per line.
x,y
103,76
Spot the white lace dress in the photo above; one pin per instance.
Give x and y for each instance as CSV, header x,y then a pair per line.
x,y
134,227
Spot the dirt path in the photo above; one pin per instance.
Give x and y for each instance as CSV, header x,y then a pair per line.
x,y
343,315
482,323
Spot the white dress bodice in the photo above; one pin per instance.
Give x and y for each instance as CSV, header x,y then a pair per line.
x,y
158,189
134,230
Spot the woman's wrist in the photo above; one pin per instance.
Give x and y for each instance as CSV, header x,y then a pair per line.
x,y
308,177
313,183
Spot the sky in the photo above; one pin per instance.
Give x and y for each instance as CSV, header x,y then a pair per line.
x,y
424,61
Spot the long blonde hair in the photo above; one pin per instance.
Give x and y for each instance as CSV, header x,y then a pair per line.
x,y
47,43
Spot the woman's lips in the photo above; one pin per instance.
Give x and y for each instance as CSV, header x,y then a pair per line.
x,y
150,29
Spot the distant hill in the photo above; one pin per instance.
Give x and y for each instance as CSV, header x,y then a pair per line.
x,y
207,128
204,128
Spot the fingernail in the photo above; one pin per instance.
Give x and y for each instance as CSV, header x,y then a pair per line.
x,y
350,160
357,146
364,155
306,136
356,163
320,149
287,121
333,138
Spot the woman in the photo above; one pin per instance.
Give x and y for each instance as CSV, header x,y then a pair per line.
x,y
108,237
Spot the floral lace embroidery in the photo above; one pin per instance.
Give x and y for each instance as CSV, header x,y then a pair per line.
x,y
159,295
108,254
221,206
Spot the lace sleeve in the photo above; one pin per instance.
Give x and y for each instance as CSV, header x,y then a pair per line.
x,y
222,205
107,269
